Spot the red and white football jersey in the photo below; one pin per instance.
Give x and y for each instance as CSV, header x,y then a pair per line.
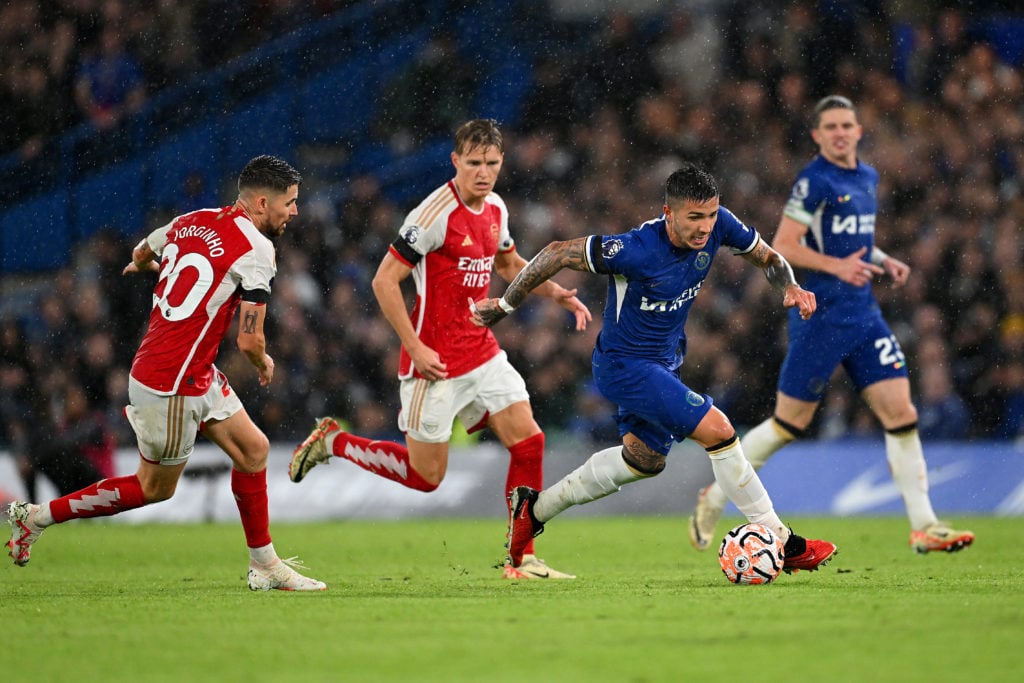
x,y
208,258
458,247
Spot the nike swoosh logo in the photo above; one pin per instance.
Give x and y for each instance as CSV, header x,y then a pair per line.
x,y
539,575
1013,504
875,487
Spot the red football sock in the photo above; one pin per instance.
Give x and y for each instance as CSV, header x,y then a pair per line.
x,y
526,468
250,490
102,499
384,458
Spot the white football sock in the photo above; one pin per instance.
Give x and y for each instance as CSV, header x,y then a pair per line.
x,y
759,444
264,555
736,476
44,517
910,473
602,474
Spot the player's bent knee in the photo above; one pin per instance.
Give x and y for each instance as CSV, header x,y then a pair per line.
x,y
252,455
715,428
261,448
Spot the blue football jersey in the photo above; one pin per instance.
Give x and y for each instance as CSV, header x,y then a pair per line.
x,y
653,283
839,206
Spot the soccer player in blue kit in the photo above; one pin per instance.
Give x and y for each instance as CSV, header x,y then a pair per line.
x,y
828,228
654,273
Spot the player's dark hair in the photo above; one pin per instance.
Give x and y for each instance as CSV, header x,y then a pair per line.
x,y
690,182
478,133
268,173
830,102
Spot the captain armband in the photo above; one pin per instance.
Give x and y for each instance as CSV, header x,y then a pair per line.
x,y
403,249
257,297
878,256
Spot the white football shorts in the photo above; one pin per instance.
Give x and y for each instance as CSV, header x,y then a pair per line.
x,y
429,408
166,426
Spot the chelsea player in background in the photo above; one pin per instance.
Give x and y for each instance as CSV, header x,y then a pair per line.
x,y
828,228
654,273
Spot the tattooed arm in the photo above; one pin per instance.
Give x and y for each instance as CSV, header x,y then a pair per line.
x,y
780,275
535,275
509,264
251,340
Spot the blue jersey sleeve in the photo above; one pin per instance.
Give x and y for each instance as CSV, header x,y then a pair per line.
x,y
735,234
614,254
807,195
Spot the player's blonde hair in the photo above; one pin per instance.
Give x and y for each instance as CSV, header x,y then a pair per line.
x,y
478,133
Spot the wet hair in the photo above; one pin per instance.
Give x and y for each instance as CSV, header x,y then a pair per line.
x,y
268,173
830,102
478,133
690,182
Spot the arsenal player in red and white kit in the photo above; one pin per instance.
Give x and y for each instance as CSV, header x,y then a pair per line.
x,y
211,263
449,367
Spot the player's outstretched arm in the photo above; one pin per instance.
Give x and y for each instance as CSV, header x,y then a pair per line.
x,y
143,259
780,275
551,259
509,264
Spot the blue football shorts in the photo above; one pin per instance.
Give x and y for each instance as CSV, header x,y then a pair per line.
x,y
654,404
866,348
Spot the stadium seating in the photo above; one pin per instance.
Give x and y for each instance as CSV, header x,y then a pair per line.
x,y
314,87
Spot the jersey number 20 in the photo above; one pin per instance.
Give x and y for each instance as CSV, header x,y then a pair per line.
x,y
178,305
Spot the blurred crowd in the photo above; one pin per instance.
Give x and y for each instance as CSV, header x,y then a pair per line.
x,y
64,62
609,116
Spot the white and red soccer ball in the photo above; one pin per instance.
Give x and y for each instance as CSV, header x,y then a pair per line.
x,y
751,554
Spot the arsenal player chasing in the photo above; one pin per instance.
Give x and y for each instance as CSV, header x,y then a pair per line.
x,y
449,367
211,262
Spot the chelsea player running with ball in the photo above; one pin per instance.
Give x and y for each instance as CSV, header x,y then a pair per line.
x,y
655,272
828,228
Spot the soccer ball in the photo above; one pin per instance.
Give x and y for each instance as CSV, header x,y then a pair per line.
x,y
751,553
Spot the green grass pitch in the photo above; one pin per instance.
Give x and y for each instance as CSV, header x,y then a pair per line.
x,y
422,601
